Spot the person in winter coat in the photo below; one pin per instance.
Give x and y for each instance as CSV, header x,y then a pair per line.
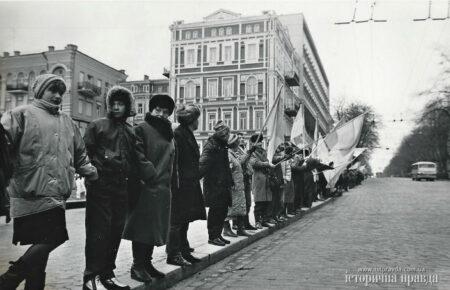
x,y
115,151
148,221
277,183
5,173
260,183
215,168
247,172
238,209
187,197
47,150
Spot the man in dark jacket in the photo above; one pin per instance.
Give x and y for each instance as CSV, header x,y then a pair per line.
x,y
114,150
214,167
147,224
277,183
187,198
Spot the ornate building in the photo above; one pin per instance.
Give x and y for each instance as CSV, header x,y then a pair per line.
x,y
87,79
232,66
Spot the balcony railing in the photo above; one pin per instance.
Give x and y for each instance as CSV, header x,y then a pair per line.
x,y
17,88
292,79
89,90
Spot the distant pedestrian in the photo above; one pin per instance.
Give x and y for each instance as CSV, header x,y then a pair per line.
x,y
148,221
47,150
215,168
113,148
262,193
187,198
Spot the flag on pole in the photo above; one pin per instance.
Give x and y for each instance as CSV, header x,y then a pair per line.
x,y
298,133
275,128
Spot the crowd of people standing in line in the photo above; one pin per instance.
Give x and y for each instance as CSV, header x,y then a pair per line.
x,y
142,184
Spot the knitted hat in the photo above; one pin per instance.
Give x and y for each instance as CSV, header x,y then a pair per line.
x,y
233,139
256,138
188,114
43,82
162,101
221,131
119,93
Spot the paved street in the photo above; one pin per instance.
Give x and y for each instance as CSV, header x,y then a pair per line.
x,y
383,223
397,224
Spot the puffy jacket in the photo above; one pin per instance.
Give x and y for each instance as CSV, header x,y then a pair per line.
x,y
47,150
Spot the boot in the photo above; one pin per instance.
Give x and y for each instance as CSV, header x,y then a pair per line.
x,y
139,273
177,260
227,230
247,224
35,280
241,228
14,276
8,217
155,273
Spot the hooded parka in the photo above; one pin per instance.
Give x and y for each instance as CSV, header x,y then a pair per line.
x,y
47,150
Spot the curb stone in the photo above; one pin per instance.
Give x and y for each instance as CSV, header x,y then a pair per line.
x,y
209,257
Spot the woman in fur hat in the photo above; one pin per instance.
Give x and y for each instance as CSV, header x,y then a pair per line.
x,y
47,150
148,221
187,198
113,148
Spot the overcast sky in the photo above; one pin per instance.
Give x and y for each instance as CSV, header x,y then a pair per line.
x,y
381,64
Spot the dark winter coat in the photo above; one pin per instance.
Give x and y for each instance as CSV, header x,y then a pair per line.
x,y
5,170
260,181
148,220
215,168
187,198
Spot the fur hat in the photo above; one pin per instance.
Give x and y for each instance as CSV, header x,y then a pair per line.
x,y
256,138
162,101
119,93
43,82
188,114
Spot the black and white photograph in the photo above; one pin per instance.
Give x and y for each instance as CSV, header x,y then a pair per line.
x,y
210,144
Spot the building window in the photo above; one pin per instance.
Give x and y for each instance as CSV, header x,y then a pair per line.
x,y
212,119
133,88
31,78
98,110
256,28
99,83
146,88
221,31
229,31
90,79
227,118
252,52
88,108
248,29
227,87
251,88
243,120
20,80
259,119
212,88
212,54
227,55
190,90
159,89
188,35
191,57
195,34
80,107
140,108
81,77
213,32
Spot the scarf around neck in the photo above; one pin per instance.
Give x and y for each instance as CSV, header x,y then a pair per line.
x,y
49,107
163,126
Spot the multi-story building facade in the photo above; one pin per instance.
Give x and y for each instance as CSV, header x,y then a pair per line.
x,y
87,80
233,66
143,91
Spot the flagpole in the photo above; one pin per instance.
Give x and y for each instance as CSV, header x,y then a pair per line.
x,y
273,107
